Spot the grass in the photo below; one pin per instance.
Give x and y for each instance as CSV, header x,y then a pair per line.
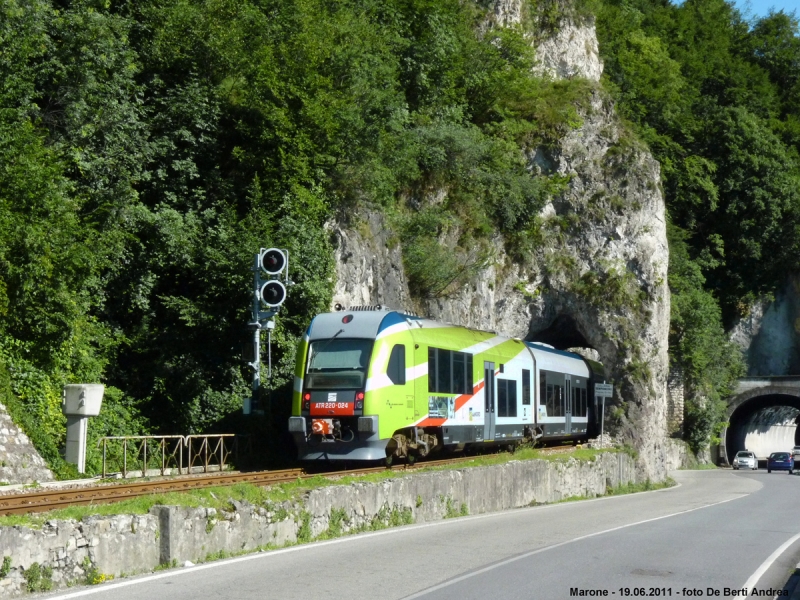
x,y
579,454
643,486
700,467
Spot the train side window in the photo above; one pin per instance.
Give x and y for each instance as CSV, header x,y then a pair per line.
x,y
542,388
526,386
449,372
552,393
444,371
396,371
579,406
506,397
459,372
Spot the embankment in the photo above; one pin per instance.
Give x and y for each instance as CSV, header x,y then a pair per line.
x,y
68,552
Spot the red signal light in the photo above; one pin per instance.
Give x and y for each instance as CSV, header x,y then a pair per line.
x,y
307,396
360,396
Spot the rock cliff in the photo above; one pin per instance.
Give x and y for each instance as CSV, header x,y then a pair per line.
x,y
596,279
19,460
770,333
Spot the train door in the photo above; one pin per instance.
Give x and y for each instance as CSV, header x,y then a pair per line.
x,y
568,407
489,401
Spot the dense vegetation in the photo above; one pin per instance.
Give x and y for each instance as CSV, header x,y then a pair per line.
x,y
717,99
148,148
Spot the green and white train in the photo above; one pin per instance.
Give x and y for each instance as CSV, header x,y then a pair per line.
x,y
374,384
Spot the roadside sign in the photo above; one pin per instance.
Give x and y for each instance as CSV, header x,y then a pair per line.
x,y
603,390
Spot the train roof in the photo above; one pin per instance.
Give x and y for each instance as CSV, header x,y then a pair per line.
x,y
356,322
368,321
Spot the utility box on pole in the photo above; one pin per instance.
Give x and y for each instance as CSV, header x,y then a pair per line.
x,y
80,401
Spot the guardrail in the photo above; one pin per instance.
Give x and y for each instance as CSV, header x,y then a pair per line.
x,y
168,453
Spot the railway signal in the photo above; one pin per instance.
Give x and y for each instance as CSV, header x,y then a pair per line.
x,y
273,261
269,292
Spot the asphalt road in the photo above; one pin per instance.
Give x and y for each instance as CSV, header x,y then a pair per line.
x,y
717,530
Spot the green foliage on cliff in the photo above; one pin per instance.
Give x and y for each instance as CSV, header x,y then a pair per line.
x,y
713,95
716,99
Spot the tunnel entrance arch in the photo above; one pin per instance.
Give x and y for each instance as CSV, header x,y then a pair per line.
x,y
562,333
771,412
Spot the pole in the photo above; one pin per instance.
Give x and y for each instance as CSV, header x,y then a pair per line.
x,y
256,364
602,416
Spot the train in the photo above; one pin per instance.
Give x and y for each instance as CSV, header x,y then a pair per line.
x,y
376,384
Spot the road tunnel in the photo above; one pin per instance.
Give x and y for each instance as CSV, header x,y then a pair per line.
x,y
764,424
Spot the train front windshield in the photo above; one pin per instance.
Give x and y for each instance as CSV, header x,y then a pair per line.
x,y
335,364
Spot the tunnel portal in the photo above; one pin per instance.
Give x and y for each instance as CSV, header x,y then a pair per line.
x,y
562,333
764,424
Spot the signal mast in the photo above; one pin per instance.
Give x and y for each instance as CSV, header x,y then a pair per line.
x,y
269,292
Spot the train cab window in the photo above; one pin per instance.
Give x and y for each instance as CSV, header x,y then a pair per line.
x,y
338,364
526,387
506,397
449,372
396,371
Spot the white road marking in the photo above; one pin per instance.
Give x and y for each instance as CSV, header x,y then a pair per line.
x,y
560,544
753,580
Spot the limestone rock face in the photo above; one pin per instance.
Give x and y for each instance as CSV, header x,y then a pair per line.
x,y
598,279
565,49
19,460
571,51
770,334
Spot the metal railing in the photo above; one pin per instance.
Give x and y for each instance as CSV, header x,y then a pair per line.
x,y
168,453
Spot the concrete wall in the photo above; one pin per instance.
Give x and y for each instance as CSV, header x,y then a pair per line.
x,y
170,535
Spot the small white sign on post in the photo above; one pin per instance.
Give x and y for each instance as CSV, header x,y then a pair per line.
x,y
603,390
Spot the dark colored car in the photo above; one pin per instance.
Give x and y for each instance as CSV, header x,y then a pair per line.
x,y
780,461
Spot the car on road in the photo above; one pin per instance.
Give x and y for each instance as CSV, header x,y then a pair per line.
x,y
796,454
745,459
780,461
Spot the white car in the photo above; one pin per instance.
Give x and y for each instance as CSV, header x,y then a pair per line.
x,y
745,460
796,454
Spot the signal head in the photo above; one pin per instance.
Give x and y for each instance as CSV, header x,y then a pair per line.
x,y
273,261
273,293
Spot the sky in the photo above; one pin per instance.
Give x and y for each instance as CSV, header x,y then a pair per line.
x,y
760,8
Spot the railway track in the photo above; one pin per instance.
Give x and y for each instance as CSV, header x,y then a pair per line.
x,y
47,500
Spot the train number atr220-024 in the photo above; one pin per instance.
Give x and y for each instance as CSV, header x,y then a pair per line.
x,y
321,405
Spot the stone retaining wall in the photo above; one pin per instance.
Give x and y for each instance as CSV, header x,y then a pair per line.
x,y
70,552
